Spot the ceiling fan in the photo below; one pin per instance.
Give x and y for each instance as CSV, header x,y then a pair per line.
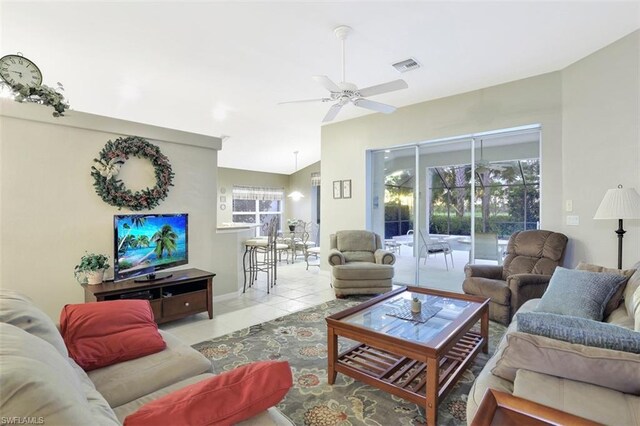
x,y
345,92
483,165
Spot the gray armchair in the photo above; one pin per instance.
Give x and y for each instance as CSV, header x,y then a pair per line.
x,y
359,264
532,256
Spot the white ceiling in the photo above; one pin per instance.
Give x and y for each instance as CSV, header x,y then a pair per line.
x,y
220,68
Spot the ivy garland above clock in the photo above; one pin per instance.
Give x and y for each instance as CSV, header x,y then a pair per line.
x,y
113,191
24,78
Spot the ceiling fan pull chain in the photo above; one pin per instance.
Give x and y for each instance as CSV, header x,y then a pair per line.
x,y
344,78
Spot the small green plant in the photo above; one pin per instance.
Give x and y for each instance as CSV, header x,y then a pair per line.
x,y
91,262
292,222
43,95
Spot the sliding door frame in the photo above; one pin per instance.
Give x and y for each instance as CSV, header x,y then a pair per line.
x,y
472,138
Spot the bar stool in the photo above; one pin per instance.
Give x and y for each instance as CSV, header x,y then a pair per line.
x,y
266,246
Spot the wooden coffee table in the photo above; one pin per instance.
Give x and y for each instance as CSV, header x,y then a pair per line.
x,y
416,361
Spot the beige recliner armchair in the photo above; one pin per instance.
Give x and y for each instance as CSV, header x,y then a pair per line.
x,y
359,264
532,256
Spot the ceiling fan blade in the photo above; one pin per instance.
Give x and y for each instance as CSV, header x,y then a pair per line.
x,y
333,111
326,82
375,106
305,100
383,88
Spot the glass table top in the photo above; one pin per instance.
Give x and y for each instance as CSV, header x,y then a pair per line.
x,y
378,317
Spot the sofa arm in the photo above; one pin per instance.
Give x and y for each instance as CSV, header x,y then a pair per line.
x,y
384,257
493,272
526,287
336,258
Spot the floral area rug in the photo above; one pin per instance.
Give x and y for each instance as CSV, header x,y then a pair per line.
x,y
301,339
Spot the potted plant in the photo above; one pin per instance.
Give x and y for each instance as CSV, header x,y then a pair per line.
x,y
416,305
292,224
91,268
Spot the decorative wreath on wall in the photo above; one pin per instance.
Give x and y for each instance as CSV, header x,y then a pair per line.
x,y
113,191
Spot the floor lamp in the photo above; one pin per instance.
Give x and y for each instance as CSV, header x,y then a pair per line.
x,y
620,203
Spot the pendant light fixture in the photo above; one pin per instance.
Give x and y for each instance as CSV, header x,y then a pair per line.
x,y
296,195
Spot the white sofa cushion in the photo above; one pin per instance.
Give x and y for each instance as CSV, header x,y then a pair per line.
x,y
604,367
126,381
270,417
636,308
130,407
38,382
18,310
596,403
632,296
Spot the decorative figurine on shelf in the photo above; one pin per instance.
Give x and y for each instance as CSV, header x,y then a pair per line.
x,y
416,305
91,268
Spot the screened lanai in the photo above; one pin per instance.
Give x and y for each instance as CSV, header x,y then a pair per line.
x,y
424,196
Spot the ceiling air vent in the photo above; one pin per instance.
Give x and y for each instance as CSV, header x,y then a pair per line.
x,y
406,65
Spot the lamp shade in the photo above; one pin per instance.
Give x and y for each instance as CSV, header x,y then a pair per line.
x,y
619,203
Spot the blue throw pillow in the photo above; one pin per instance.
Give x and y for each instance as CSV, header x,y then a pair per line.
x,y
579,330
578,293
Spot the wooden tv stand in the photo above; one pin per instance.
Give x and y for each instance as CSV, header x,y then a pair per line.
x,y
186,292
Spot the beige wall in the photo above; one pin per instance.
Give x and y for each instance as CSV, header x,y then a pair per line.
x,y
535,100
50,213
300,181
590,142
601,147
229,177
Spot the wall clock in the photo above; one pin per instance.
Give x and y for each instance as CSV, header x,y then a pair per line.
x,y
16,69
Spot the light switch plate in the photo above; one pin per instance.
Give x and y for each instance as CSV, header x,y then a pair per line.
x,y
568,205
573,220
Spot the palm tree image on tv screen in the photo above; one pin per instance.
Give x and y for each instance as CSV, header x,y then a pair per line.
x,y
150,242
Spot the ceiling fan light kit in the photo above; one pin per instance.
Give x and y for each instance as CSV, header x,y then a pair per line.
x,y
345,92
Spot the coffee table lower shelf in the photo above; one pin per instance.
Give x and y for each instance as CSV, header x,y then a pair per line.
x,y
405,377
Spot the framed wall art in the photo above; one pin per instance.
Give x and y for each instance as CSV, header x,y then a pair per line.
x,y
337,189
346,188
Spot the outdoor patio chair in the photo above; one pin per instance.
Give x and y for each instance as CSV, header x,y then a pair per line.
x,y
431,246
486,247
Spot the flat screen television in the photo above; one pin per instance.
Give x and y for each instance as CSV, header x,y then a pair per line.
x,y
147,243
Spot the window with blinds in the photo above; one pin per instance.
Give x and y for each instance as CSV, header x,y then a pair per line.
x,y
252,204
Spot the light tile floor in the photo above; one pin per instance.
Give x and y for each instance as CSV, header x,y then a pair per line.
x,y
296,289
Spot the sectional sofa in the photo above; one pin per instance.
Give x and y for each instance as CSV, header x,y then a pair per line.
x,y
591,382
42,384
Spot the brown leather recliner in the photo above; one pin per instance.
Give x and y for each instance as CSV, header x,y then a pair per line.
x,y
532,256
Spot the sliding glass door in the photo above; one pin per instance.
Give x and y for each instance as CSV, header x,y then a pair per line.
x,y
393,206
445,202
507,191
442,204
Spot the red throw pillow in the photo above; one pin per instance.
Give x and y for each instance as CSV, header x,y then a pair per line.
x,y
103,333
225,399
